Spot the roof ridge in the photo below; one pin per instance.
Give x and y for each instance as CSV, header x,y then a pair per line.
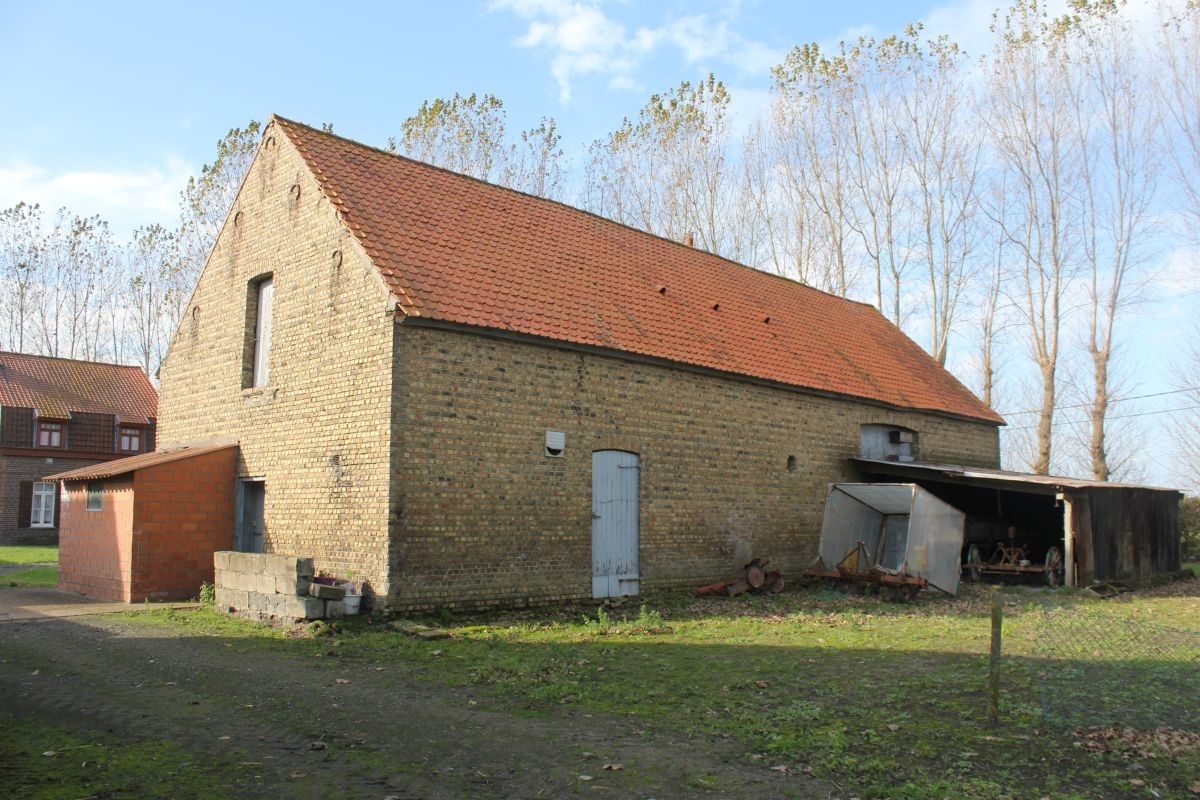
x,y
576,209
73,360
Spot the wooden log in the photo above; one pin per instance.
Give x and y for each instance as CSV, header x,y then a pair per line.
x,y
710,589
738,587
756,576
775,581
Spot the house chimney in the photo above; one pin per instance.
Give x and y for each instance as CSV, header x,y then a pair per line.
x,y
687,239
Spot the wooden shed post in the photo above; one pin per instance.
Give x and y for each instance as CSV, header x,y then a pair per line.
x,y
1068,539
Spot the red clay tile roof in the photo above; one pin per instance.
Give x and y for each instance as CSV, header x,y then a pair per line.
x,y
121,466
459,250
58,386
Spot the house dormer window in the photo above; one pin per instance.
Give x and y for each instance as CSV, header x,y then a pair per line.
x,y
49,434
130,440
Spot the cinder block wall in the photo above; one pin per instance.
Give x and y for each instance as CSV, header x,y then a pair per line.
x,y
481,514
318,433
95,556
183,513
265,586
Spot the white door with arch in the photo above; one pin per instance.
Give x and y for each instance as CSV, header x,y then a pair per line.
x,y
614,523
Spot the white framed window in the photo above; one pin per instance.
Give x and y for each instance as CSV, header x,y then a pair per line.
x,y
131,440
42,514
262,332
49,434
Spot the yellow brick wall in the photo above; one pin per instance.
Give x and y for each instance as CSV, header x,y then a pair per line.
x,y
483,515
318,433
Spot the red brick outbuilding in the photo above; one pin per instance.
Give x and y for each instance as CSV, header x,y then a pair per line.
x,y
146,527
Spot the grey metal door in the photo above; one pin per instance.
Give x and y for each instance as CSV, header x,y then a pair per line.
x,y
614,523
250,517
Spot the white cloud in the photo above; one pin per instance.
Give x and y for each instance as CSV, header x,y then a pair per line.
x,y
125,198
582,40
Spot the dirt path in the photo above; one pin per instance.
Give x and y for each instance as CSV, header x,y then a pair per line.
x,y
382,735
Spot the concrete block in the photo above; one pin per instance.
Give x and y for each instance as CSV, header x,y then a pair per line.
x,y
237,599
221,559
335,609
258,602
326,592
264,583
304,568
291,585
291,607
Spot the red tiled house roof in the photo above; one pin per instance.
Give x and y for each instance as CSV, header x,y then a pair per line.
x,y
459,250
55,387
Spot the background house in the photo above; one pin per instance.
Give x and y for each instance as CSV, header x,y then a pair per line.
x,y
58,414
462,394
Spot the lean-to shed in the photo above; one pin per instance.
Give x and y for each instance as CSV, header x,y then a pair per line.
x,y
146,527
1106,531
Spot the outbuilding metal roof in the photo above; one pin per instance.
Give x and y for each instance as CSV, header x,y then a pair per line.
x,y
1045,484
121,466
457,250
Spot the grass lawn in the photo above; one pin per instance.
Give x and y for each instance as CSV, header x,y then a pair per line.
x,y
47,762
886,700
28,554
32,578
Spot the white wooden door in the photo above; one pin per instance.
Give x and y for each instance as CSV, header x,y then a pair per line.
x,y
614,523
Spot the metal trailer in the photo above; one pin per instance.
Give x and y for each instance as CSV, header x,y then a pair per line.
x,y
896,536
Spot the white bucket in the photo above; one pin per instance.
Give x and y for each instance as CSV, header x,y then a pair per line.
x,y
352,600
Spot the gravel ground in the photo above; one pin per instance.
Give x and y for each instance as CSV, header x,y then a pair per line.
x,y
379,734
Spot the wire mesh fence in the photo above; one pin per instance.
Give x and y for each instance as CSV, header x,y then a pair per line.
x,y
1097,671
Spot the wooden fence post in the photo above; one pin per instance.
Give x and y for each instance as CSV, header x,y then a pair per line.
x,y
994,661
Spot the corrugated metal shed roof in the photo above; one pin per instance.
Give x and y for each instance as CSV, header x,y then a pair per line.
x,y
957,471
121,466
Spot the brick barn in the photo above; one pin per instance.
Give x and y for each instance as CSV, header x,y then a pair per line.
x,y
461,394
58,414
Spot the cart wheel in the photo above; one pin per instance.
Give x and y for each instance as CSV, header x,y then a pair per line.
x,y
974,563
1054,565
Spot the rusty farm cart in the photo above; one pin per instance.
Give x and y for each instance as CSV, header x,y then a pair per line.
x,y
895,537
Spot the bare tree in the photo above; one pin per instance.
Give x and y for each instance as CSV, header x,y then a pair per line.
x,y
1179,46
20,257
152,257
207,198
1116,130
812,155
1031,120
945,159
674,171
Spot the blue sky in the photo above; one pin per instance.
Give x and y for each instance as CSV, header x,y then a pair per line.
x,y
109,107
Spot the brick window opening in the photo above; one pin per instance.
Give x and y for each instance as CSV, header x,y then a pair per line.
x,y
49,434
95,497
42,508
131,440
256,352
888,443
791,463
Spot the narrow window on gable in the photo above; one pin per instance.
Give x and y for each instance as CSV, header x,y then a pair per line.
x,y
256,358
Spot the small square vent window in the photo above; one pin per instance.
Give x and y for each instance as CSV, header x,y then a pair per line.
x,y
556,442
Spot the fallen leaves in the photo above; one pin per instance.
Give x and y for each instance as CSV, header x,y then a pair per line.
x,y
1133,743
